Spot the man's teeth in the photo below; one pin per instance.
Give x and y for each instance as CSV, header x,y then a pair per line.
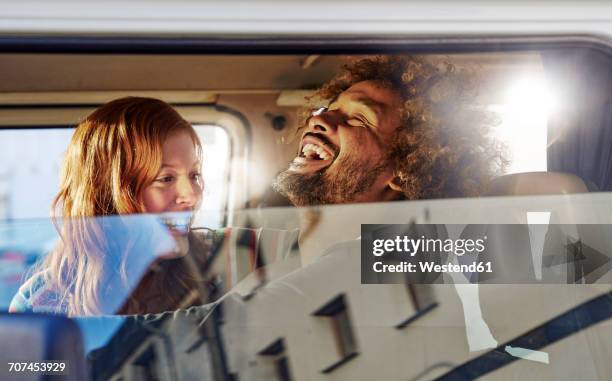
x,y
309,150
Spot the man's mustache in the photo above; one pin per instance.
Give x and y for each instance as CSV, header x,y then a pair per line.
x,y
324,139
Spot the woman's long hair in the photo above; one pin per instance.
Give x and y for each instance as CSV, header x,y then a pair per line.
x,y
114,154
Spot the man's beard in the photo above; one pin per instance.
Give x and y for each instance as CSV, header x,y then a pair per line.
x,y
324,187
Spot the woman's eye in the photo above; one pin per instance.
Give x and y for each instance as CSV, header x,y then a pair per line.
x,y
164,179
197,176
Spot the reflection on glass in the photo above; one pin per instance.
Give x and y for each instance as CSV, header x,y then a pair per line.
x,y
260,299
124,248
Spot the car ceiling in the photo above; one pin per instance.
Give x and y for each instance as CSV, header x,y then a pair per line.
x,y
223,74
22,72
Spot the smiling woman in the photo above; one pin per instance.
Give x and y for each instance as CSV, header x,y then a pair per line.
x,y
132,155
178,187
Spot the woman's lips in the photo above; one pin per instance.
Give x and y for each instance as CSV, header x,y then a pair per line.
x,y
177,223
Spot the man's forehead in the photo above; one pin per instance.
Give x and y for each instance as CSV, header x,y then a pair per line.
x,y
372,94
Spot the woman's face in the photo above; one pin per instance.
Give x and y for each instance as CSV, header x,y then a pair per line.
x,y
178,184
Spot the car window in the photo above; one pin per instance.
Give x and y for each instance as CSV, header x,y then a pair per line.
x,y
483,167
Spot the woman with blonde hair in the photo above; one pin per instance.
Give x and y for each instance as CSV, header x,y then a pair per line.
x,y
131,155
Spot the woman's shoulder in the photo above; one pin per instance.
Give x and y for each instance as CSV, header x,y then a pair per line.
x,y
22,301
35,295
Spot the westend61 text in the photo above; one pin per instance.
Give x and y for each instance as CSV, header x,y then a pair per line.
x,y
429,267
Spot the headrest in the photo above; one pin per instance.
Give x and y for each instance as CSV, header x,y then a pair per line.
x,y
537,183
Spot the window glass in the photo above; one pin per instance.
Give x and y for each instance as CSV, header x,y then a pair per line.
x,y
29,175
275,257
216,150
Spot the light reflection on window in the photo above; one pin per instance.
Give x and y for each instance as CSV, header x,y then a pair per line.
x,y
527,104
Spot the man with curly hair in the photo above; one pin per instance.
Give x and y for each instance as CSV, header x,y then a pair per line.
x,y
396,127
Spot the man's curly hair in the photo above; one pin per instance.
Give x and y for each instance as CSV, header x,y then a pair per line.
x,y
443,147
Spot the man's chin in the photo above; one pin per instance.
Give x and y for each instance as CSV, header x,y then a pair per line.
x,y
302,187
316,182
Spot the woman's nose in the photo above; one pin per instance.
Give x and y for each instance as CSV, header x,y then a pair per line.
x,y
187,193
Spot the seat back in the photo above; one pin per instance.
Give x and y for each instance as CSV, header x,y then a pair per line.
x,y
537,183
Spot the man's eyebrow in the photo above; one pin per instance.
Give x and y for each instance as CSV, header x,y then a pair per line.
x,y
333,100
376,107
369,102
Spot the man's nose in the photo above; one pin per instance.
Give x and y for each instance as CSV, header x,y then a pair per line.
x,y
325,122
187,194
